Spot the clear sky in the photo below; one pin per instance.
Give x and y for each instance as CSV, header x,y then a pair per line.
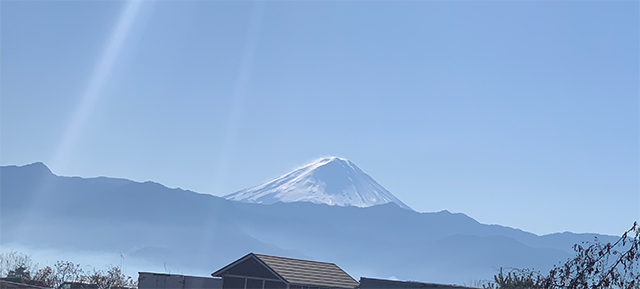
x,y
523,114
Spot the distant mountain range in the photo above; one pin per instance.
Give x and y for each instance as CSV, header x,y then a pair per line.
x,y
329,180
156,226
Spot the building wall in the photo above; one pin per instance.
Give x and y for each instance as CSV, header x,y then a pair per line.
x,y
370,283
4,284
241,282
174,281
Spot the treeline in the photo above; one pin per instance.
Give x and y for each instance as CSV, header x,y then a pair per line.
x,y
595,266
20,268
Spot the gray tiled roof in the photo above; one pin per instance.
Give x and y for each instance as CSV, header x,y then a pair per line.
x,y
305,272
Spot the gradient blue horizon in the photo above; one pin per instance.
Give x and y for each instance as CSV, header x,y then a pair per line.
x,y
524,114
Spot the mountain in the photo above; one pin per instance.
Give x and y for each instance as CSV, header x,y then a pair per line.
x,y
331,180
156,228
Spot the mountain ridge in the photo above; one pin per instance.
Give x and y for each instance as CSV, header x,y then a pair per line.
x,y
328,180
201,232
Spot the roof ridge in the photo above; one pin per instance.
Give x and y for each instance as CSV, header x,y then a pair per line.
x,y
311,261
298,271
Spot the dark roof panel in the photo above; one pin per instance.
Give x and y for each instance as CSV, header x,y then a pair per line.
x,y
305,272
371,283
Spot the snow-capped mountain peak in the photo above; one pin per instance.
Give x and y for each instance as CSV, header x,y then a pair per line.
x,y
329,180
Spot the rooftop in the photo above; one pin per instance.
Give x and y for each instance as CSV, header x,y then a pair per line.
x,y
299,272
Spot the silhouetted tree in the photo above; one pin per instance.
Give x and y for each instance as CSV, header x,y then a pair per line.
x,y
16,264
595,266
62,271
113,278
518,279
20,268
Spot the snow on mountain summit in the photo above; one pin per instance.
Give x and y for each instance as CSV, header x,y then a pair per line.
x,y
330,180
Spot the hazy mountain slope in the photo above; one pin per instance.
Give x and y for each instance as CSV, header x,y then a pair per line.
x,y
202,233
149,220
330,180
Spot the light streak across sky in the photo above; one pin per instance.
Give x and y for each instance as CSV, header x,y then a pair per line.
x,y
97,81
239,95
86,104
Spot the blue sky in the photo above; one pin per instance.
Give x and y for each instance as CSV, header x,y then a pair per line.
x,y
523,114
